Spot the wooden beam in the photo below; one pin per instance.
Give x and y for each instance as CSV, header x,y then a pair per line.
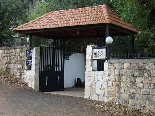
x,y
97,31
82,33
129,32
67,34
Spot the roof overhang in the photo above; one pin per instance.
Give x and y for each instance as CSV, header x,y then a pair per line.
x,y
88,22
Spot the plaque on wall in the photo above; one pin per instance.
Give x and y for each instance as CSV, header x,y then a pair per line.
x,y
28,53
99,53
28,57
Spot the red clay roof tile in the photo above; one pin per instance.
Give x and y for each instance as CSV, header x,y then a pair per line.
x,y
74,17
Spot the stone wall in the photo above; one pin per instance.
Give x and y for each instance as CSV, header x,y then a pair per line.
x,y
13,61
130,82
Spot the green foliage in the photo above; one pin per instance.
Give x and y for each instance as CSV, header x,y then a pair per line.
x,y
11,13
3,72
38,9
139,14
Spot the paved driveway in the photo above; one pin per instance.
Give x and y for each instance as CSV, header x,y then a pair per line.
x,y
17,101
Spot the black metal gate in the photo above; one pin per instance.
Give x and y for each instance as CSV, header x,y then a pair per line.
x,y
51,77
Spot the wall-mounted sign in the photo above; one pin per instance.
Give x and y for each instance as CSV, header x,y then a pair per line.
x,y
28,57
99,53
28,53
28,62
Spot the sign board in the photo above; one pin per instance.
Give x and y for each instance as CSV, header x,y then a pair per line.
x,y
28,62
28,53
99,53
28,57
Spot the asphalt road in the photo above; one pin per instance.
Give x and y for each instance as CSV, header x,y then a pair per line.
x,y
18,101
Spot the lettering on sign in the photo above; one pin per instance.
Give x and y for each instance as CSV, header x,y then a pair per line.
x,y
99,53
28,53
28,62
28,57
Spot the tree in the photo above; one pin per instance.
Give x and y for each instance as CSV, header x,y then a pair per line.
x,y
140,14
12,12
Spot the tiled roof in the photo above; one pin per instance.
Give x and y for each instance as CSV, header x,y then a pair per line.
x,y
100,14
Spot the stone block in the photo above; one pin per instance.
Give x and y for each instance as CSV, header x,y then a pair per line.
x,y
152,86
127,65
138,73
140,85
112,94
147,85
123,72
140,104
147,97
100,92
145,91
131,96
87,92
147,73
152,91
117,72
133,91
129,73
91,79
106,67
139,80
111,78
132,103
109,83
119,65
88,68
150,66
124,95
98,85
127,90
101,98
111,89
152,73
111,99
111,66
133,65
141,66
88,62
122,90
95,97
101,73
103,85
123,78
138,97
111,72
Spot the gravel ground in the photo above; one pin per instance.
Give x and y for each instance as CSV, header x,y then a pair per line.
x,y
19,101
22,101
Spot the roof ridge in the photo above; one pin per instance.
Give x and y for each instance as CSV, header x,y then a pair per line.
x,y
106,13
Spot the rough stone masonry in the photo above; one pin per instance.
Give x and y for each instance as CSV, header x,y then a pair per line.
x,y
13,61
130,82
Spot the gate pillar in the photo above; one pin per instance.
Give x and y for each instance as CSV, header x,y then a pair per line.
x,y
32,76
96,82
